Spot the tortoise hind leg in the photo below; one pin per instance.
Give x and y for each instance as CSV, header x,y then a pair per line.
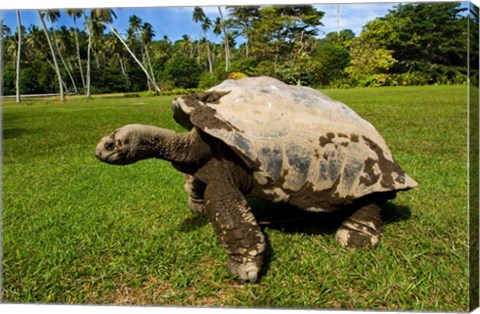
x,y
195,190
363,229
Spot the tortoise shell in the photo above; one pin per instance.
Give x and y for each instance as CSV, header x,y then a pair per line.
x,y
295,138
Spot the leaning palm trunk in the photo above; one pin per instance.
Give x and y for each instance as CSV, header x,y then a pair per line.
x,y
63,60
78,53
209,57
89,49
57,69
150,65
225,34
144,62
19,52
124,71
134,57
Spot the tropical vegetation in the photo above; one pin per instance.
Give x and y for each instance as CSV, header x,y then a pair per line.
x,y
413,44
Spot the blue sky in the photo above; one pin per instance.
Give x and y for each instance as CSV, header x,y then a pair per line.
x,y
176,21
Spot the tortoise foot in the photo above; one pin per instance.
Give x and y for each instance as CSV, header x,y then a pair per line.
x,y
357,236
245,269
196,206
363,229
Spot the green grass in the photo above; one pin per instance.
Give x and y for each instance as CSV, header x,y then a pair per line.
x,y
76,230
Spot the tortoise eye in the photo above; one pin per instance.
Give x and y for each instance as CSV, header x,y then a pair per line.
x,y
109,145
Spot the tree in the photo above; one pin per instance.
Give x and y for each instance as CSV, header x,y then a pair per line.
x,y
186,45
182,71
334,58
5,29
134,25
147,35
285,36
19,53
344,37
95,32
57,69
205,24
75,14
65,44
368,59
107,15
369,51
116,47
225,38
242,18
427,38
53,16
198,16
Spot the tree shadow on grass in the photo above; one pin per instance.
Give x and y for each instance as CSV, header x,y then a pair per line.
x,y
13,133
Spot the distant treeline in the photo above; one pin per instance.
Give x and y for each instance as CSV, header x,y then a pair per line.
x,y
414,44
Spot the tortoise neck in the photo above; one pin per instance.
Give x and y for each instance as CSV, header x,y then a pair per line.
x,y
179,148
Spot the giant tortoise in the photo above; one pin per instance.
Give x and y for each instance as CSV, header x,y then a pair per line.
x,y
258,136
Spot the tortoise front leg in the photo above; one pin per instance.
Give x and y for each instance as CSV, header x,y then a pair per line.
x,y
236,228
363,229
195,190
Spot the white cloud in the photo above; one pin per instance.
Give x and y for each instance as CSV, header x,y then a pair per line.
x,y
352,15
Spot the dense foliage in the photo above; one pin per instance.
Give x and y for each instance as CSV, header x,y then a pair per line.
x,y
414,44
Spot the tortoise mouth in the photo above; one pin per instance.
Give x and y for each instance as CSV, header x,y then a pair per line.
x,y
114,158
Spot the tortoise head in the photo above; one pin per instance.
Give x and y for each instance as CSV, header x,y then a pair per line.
x,y
123,146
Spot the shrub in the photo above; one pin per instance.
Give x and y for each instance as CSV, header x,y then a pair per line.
x,y
208,80
181,91
183,71
236,75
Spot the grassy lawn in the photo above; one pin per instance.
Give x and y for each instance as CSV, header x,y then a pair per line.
x,y
76,230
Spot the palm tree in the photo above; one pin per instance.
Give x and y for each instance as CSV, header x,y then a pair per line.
x,y
116,47
74,14
206,24
147,35
186,45
57,69
36,41
106,16
53,16
5,29
198,16
131,38
66,45
88,24
10,47
98,28
19,52
226,41
135,23
134,31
